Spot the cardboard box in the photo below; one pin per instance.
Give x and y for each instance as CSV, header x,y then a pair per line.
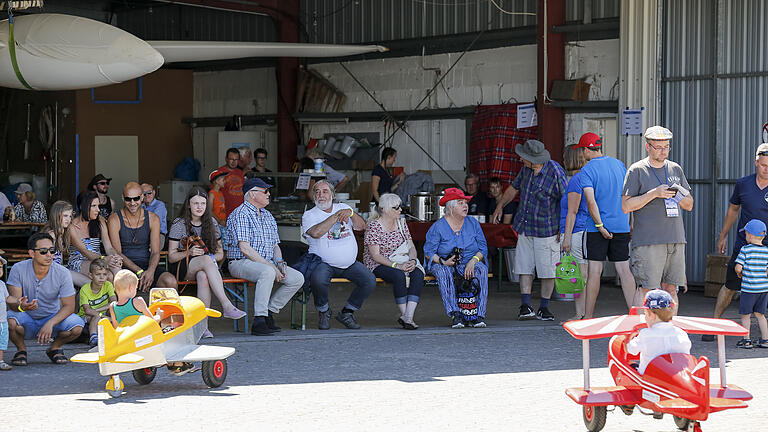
x,y
570,90
711,289
716,266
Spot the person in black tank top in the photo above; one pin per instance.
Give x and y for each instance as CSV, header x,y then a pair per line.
x,y
136,237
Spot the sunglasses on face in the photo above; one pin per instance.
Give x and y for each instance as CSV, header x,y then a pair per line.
x,y
129,199
397,207
46,251
102,183
763,153
148,192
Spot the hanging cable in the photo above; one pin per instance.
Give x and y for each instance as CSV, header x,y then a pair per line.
x,y
502,10
12,49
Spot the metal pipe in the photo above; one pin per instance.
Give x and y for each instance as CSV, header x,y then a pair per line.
x,y
721,358
585,362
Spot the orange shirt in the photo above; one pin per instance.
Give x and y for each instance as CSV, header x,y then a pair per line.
x,y
219,208
233,188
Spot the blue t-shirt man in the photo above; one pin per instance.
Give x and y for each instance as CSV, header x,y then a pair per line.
x,y
754,205
606,175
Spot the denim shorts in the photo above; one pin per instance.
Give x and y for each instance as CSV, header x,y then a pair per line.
x,y
3,336
752,302
32,326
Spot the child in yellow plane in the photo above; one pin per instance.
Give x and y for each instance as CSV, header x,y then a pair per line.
x,y
128,304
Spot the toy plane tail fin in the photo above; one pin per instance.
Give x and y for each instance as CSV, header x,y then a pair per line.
x,y
700,374
107,336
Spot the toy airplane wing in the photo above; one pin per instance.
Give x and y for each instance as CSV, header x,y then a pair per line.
x,y
617,395
187,51
89,357
597,328
196,353
713,326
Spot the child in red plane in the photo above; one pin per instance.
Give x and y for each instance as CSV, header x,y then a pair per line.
x,y
661,337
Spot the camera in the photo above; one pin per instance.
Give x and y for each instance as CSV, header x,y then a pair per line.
x,y
455,253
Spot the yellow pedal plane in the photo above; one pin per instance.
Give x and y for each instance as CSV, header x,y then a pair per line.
x,y
141,345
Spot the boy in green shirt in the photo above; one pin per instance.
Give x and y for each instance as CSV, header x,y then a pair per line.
x,y
95,297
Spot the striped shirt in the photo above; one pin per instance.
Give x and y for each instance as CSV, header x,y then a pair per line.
x,y
754,259
539,212
255,226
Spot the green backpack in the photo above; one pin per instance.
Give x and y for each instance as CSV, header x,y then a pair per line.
x,y
568,278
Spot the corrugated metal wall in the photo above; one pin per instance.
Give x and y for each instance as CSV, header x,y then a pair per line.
x,y
574,9
715,78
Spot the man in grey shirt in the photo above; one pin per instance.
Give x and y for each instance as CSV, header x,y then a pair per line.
x,y
655,191
43,305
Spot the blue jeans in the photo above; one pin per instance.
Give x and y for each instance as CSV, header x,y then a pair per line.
x,y
357,273
396,277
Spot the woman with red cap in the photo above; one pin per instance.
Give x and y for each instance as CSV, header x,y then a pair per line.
x,y
455,245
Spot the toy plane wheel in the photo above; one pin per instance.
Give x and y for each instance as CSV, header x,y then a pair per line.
x,y
214,372
115,386
681,422
144,376
594,417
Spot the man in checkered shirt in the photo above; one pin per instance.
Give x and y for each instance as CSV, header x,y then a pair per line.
x,y
541,184
254,254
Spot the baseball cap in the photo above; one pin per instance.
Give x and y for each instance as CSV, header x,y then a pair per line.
x,y
658,133
589,140
255,182
24,187
762,148
755,227
657,299
216,174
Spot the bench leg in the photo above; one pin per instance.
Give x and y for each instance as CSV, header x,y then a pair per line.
x,y
237,295
301,299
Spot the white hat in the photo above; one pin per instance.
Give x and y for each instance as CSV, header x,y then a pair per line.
x,y
658,133
762,148
24,187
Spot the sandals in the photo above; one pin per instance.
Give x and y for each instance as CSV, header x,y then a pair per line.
x,y
5,366
57,356
19,359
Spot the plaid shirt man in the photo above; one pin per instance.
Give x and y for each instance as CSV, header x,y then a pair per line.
x,y
257,227
539,211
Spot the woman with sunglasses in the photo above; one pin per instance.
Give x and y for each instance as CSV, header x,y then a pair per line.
x,y
391,255
59,220
89,237
195,262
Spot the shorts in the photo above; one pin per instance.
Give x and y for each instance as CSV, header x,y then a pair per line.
x,y
753,302
653,265
615,249
3,336
732,280
537,253
32,326
577,246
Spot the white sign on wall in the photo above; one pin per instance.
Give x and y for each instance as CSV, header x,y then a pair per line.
x,y
526,116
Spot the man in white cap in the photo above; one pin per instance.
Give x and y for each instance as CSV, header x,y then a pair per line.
x,y
541,184
749,200
656,191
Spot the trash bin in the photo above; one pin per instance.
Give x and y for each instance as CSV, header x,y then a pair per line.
x,y
509,258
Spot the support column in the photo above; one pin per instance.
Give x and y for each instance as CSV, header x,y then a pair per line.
x,y
551,58
287,75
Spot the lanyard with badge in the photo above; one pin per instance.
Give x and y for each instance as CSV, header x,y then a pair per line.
x,y
670,204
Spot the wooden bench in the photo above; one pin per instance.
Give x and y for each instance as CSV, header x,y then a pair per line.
x,y
237,291
302,300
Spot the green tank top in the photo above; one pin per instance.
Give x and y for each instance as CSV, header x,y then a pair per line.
x,y
125,310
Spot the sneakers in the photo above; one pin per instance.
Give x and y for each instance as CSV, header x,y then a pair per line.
x,y
234,314
544,314
526,313
480,323
324,320
259,327
707,338
348,319
457,321
207,334
271,322
94,340
762,343
744,343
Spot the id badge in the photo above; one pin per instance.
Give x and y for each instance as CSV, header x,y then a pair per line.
x,y
672,209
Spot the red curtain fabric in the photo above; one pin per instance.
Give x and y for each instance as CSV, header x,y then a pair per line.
x,y
492,143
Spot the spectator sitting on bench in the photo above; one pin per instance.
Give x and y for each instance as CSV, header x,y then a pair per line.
x,y
391,255
328,228
255,255
190,261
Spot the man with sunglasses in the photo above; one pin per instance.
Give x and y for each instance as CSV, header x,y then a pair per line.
x,y
749,200
254,254
135,236
41,303
655,192
100,185
157,207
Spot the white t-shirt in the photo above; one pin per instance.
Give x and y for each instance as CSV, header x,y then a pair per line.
x,y
338,247
662,338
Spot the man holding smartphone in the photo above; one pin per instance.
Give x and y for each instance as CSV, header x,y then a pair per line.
x,y
656,191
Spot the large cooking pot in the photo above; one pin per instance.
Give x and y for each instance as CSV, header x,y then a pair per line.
x,y
421,206
438,210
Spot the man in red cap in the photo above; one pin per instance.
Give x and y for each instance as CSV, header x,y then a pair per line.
x,y
602,179
655,191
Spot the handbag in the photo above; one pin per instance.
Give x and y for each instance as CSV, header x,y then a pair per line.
x,y
401,254
568,277
187,243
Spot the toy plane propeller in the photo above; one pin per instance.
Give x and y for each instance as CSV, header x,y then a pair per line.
x,y
65,52
676,384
